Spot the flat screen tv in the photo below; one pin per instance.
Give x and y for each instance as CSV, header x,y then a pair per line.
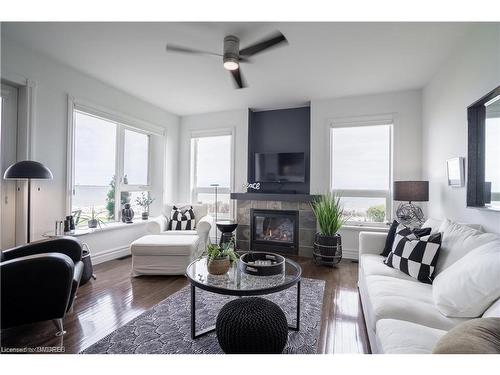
x,y
280,167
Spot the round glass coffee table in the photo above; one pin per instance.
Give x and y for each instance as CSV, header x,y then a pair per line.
x,y
237,283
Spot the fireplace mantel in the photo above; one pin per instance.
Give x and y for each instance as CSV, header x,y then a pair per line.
x,y
273,197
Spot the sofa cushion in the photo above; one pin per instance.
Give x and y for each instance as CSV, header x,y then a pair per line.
x,y
476,336
493,311
401,337
180,232
471,284
409,300
390,238
182,218
372,264
200,210
434,224
458,240
416,257
165,245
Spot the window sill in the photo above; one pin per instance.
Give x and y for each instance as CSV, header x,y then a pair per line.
x,y
104,228
365,227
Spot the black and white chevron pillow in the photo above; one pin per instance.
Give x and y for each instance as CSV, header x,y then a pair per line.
x,y
416,256
182,218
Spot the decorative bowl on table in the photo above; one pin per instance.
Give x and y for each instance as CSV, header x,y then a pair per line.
x,y
261,263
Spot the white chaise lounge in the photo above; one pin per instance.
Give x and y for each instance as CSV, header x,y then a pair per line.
x,y
168,252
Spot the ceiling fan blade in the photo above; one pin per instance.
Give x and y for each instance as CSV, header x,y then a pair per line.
x,y
244,59
238,78
175,48
271,41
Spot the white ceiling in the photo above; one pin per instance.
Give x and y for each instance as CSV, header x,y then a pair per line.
x,y
322,60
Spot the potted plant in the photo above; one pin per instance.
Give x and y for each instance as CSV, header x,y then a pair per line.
x,y
93,220
144,201
220,258
330,215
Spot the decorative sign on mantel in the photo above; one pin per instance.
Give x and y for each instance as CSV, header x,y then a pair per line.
x,y
253,186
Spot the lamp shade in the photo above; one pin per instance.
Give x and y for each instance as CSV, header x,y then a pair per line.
x,y
27,169
411,191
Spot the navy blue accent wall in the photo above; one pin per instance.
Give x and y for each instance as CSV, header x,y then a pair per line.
x,y
281,130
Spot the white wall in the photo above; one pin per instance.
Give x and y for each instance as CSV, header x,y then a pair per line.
x,y
236,120
469,73
54,81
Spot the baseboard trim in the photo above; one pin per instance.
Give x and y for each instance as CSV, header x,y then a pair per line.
x,y
110,254
350,254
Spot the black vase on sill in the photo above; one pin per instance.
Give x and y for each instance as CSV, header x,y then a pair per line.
x,y
127,214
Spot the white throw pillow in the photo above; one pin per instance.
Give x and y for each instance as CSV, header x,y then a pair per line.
x,y
434,224
493,311
458,240
469,286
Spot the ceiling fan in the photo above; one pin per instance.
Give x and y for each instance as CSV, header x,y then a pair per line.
x,y
232,54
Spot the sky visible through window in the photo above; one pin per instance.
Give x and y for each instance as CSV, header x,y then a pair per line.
x,y
360,158
136,157
213,161
95,149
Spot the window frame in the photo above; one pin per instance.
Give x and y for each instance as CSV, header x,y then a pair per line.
x,y
380,120
193,191
122,123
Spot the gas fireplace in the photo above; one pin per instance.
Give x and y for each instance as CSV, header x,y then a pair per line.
x,y
274,230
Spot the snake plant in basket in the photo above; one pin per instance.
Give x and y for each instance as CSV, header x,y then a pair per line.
x,y
330,215
219,258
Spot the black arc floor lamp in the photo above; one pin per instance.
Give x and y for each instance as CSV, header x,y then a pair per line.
x,y
28,170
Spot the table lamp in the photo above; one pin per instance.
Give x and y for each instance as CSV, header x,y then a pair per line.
x,y
410,191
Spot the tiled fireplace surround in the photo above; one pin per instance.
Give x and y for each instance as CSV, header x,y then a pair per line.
x,y
307,222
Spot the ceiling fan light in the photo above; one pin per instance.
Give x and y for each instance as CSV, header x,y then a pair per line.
x,y
231,65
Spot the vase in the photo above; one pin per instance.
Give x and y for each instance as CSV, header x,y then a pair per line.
x,y
145,215
127,214
327,249
92,223
219,266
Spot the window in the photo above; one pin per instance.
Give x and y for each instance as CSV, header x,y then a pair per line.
x,y
110,162
211,163
361,171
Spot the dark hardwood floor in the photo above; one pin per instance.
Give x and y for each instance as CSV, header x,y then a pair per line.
x,y
105,304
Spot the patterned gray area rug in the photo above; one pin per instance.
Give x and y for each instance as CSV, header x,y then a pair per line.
x,y
166,328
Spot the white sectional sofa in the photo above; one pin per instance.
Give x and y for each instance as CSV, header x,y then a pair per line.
x,y
406,316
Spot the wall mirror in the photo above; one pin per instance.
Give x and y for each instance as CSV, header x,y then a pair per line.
x,y
483,171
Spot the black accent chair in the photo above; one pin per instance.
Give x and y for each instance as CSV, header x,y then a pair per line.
x,y
39,281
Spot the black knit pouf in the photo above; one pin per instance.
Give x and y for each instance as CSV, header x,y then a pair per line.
x,y
252,325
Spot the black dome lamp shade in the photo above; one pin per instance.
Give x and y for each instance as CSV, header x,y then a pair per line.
x,y
28,170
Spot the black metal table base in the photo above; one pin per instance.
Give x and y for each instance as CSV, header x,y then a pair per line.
x,y
195,335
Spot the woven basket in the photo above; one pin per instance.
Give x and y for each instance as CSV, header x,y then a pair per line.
x,y
327,249
218,266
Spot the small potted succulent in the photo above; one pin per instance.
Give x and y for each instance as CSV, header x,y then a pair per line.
x,y
92,220
220,258
330,215
144,201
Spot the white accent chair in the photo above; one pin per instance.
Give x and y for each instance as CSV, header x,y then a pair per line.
x,y
168,252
